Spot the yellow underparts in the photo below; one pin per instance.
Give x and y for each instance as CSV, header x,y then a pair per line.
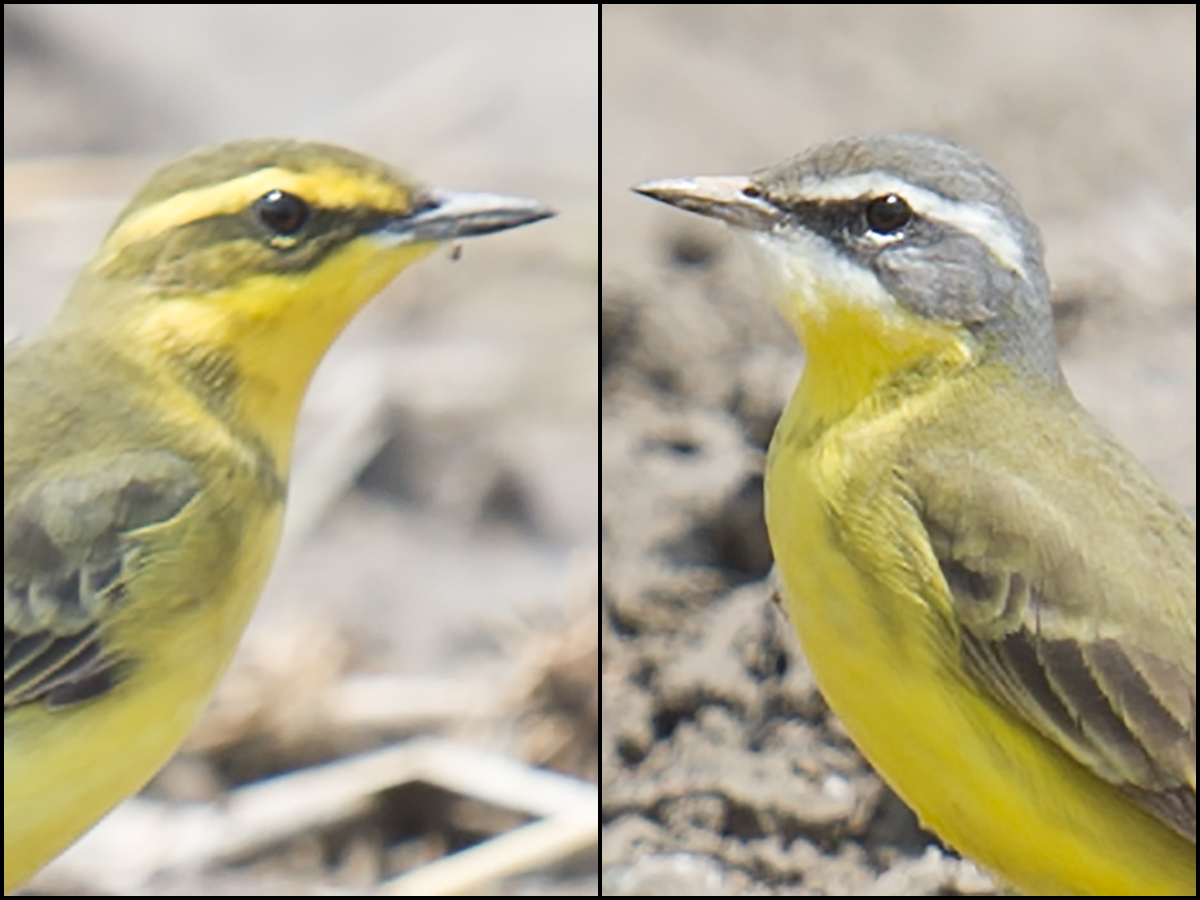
x,y
196,582
865,593
52,759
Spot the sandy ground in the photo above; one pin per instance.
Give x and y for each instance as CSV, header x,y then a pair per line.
x,y
723,772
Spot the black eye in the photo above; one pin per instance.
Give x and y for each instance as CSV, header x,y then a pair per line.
x,y
888,214
281,212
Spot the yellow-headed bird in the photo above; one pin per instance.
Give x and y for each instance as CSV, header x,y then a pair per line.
x,y
996,597
147,439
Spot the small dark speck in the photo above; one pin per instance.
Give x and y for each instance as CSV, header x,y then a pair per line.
x,y
692,250
676,445
1069,311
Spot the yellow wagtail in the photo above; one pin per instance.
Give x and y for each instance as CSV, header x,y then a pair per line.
x,y
995,596
147,439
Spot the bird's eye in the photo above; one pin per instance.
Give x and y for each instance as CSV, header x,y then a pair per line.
x,y
283,213
888,214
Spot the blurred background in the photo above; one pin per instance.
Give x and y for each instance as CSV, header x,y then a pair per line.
x,y
723,772
439,567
